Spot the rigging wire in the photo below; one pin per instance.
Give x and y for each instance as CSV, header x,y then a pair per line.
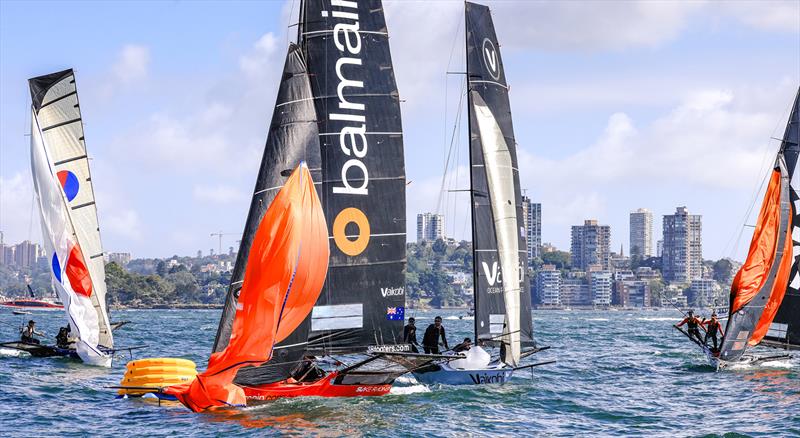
x,y
451,141
456,124
763,170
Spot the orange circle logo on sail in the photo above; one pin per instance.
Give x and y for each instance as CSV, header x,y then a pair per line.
x,y
345,217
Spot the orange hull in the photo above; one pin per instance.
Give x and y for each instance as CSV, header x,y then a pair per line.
x,y
324,387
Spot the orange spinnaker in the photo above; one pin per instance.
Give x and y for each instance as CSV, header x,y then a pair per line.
x,y
778,290
763,251
285,272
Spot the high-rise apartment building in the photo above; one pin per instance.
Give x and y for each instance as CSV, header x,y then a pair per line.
x,y
591,245
430,226
26,253
641,233
682,254
601,284
548,286
532,215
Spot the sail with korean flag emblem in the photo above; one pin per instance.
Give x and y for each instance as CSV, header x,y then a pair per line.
x,y
70,230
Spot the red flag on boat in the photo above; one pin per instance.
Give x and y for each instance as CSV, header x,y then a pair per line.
x,y
285,272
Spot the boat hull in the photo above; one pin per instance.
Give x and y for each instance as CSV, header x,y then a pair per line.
x,y
325,387
31,304
442,374
38,350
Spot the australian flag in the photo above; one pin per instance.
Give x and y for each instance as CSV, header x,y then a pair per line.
x,y
395,313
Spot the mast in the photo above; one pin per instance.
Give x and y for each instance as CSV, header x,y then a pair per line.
x,y
291,139
784,331
346,45
503,303
472,200
758,290
70,229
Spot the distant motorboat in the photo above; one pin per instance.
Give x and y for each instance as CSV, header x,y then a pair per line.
x,y
30,303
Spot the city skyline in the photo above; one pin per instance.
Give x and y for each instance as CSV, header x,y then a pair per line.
x,y
652,131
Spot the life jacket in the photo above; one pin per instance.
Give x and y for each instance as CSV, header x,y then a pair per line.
x,y
692,323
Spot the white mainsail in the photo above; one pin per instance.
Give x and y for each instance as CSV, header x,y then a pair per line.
x,y
63,185
500,178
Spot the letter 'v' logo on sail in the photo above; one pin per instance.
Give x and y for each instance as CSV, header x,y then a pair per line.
x,y
491,274
490,59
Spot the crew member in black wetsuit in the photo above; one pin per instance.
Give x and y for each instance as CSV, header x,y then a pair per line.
x,y
692,323
410,335
712,328
307,371
430,342
29,332
464,346
62,339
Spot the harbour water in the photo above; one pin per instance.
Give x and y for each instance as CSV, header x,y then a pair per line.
x,y
618,373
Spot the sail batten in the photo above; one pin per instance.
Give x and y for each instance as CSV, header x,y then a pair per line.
x,y
502,293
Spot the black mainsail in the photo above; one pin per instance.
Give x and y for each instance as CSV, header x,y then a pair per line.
x,y
784,332
346,46
292,138
502,293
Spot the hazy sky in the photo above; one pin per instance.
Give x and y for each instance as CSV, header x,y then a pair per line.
x,y
617,105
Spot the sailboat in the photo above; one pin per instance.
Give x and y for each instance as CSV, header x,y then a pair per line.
x,y
338,110
764,295
502,293
70,229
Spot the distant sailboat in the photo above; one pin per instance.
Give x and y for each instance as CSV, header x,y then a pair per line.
x,y
764,299
70,230
501,291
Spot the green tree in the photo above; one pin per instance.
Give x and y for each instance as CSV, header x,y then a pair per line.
x,y
161,268
656,292
558,258
723,271
440,247
635,261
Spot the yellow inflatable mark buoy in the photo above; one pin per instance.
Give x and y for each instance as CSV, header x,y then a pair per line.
x,y
156,373
144,371
160,361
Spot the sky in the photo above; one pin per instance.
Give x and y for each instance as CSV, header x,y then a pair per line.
x,y
617,105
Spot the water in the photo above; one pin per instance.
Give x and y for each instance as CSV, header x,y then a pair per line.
x,y
619,373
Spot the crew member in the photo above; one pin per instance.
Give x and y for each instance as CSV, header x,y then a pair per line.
x,y
692,323
430,342
410,335
464,346
62,339
28,333
307,370
712,328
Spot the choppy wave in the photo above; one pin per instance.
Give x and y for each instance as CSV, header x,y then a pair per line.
x,y
8,352
618,373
